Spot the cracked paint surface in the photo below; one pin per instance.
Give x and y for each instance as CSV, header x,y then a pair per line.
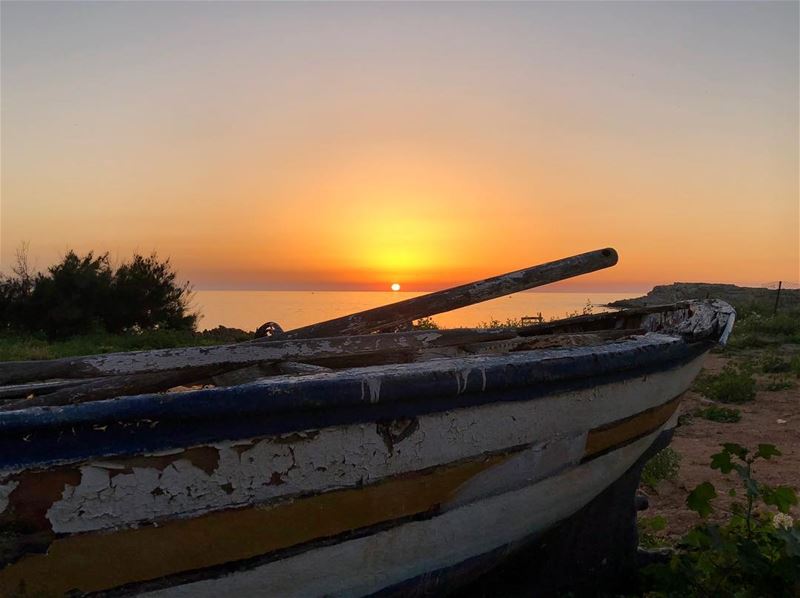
x,y
128,492
6,489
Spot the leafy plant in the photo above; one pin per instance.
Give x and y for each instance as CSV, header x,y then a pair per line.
x,y
772,363
761,328
648,529
723,415
794,365
85,295
734,384
426,324
663,466
779,384
145,294
754,553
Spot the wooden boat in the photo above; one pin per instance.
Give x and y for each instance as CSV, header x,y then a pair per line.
x,y
350,481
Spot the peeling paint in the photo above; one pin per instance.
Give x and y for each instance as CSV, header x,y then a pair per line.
x,y
183,485
462,378
5,489
373,386
395,431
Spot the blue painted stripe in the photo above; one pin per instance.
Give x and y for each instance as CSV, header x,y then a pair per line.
x,y
131,425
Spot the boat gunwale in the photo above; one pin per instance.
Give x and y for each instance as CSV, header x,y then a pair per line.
x,y
285,404
49,438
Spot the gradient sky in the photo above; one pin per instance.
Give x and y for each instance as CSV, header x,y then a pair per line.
x,y
350,145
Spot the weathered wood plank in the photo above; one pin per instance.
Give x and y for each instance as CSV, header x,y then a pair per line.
x,y
16,391
113,386
402,312
226,357
295,367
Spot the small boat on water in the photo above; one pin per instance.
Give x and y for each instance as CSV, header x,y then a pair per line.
x,y
334,476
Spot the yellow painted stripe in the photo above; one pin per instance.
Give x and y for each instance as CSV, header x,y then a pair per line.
x,y
99,561
620,432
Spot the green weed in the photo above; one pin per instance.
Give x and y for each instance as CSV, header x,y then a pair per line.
x,y
752,553
776,384
720,414
761,328
771,363
663,466
648,530
734,384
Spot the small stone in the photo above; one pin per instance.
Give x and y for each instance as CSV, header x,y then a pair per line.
x,y
781,421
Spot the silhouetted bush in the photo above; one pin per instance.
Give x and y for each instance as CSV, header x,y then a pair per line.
x,y
146,295
73,297
84,294
15,290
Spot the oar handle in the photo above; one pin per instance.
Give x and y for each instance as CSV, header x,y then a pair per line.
x,y
460,296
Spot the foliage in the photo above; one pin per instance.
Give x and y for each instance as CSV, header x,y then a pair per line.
x,y
149,297
663,466
586,310
772,363
494,323
734,384
794,365
779,384
648,529
14,290
753,553
723,415
759,327
85,295
73,297
426,324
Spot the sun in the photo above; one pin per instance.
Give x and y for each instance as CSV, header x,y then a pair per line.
x,y
395,286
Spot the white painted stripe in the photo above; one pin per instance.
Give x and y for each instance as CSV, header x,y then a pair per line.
x,y
344,456
366,565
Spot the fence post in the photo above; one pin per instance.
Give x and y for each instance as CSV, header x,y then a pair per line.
x,y
777,298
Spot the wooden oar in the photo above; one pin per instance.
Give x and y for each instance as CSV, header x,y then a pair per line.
x,y
402,312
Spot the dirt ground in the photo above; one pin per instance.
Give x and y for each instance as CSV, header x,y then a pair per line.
x,y
773,417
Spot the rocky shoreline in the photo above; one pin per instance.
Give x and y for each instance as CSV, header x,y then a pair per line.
x,y
733,294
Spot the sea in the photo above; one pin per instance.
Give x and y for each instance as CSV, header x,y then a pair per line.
x,y
291,309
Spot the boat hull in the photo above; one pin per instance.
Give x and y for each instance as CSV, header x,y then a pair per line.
x,y
352,501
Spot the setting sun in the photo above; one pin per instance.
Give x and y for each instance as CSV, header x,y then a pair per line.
x,y
395,286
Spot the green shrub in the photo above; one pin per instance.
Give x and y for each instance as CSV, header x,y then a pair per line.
x,y
720,414
772,363
794,365
648,529
663,466
84,295
146,295
732,385
776,384
753,553
762,328
74,296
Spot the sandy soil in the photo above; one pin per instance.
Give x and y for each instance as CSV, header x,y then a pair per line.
x,y
774,418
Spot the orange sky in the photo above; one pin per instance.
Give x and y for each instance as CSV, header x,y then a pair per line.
x,y
270,145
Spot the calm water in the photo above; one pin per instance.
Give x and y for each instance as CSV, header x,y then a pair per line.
x,y
249,309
